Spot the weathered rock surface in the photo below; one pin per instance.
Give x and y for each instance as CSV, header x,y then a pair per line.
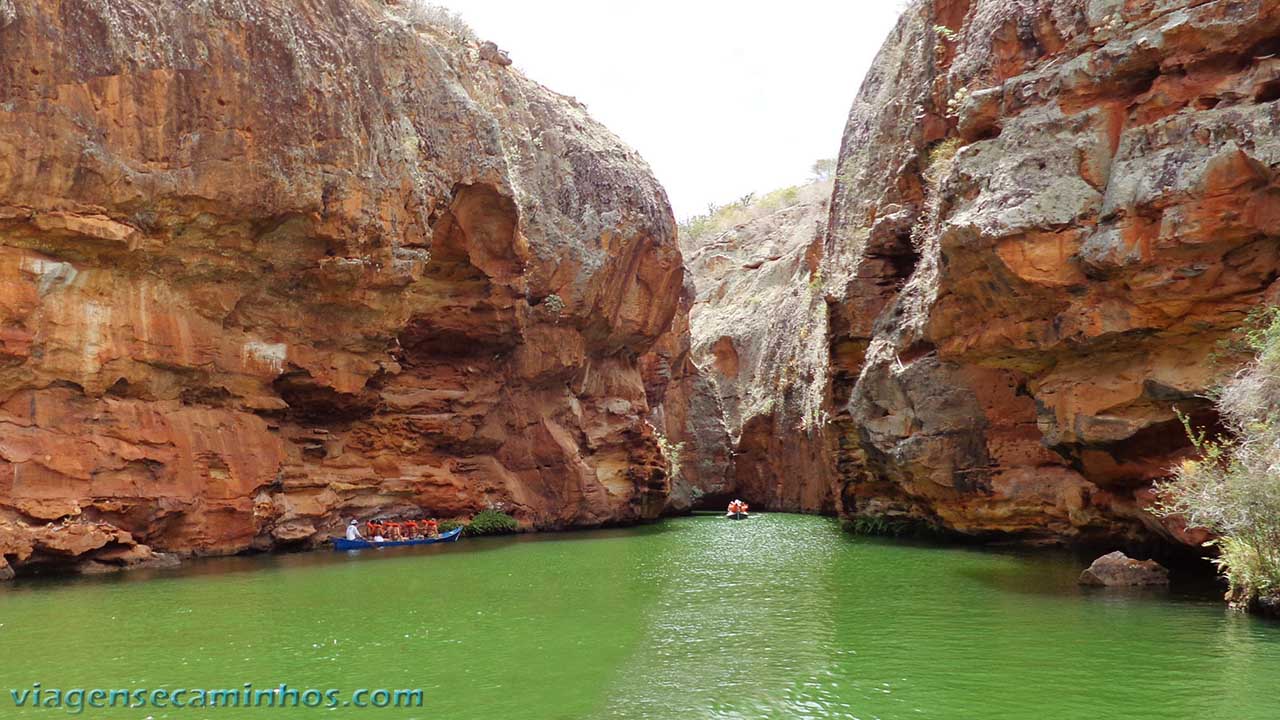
x,y
265,265
757,326
1119,570
689,415
1047,215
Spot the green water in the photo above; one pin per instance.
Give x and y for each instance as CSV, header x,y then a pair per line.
x,y
776,617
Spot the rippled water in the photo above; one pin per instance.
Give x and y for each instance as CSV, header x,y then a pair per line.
x,y
776,617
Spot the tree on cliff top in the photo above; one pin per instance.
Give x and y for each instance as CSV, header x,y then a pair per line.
x,y
1233,490
823,169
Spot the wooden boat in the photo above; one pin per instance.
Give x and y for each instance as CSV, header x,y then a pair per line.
x,y
345,544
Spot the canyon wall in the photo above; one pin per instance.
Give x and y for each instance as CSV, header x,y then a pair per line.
x,y
271,264
267,265
756,327
1048,216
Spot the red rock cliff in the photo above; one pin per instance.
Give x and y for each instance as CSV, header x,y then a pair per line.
x,y
1047,216
269,264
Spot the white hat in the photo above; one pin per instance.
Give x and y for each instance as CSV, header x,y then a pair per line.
x,y
353,522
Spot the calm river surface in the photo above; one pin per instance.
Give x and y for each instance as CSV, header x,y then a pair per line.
x,y
780,616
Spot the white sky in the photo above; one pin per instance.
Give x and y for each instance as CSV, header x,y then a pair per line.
x,y
721,98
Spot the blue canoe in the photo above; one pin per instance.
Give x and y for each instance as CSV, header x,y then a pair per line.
x,y
345,544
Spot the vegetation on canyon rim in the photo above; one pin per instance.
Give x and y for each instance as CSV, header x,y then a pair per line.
x,y
1233,490
719,218
438,16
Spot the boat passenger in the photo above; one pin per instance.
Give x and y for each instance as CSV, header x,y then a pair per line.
x,y
353,531
431,528
411,529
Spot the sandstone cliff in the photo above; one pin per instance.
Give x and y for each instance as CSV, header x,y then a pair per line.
x,y
756,329
269,264
1047,215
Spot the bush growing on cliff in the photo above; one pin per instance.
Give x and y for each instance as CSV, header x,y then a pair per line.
x,y
1243,342
939,160
670,453
491,522
440,17
1233,490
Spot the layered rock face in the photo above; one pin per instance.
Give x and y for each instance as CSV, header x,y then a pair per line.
x,y
1047,216
266,265
757,326
688,414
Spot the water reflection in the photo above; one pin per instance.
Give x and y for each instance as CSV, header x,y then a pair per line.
x,y
743,631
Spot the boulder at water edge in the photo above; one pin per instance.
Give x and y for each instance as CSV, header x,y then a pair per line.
x,y
1119,570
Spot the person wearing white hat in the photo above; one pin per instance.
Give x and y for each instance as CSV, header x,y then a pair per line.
x,y
353,531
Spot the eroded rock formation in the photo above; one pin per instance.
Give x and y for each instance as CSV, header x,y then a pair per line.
x,y
688,415
266,264
1046,218
757,326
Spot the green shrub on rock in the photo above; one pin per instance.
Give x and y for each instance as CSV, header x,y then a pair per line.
x,y
1233,489
491,522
